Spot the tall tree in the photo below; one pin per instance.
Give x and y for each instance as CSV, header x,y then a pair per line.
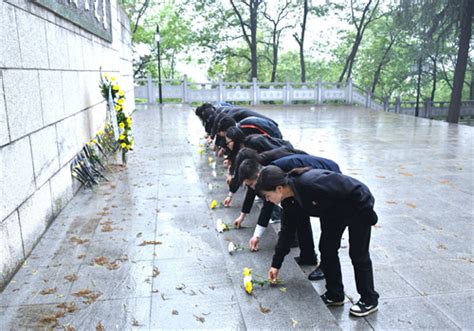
x,y
276,31
249,29
461,63
300,39
368,15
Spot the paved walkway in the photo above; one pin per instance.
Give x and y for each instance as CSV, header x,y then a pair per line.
x,y
141,250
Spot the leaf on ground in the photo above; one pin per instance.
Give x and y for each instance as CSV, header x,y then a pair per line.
x,y
71,277
282,289
407,174
68,307
174,312
52,319
135,322
263,309
48,291
199,318
181,287
156,272
81,256
107,228
104,261
212,287
139,234
391,202
99,327
91,296
68,327
78,240
381,177
441,246
411,205
444,181
150,242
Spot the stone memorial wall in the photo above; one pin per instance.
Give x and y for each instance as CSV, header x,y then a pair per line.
x,y
51,52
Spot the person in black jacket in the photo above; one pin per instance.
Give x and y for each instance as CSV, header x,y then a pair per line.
x,y
294,220
339,201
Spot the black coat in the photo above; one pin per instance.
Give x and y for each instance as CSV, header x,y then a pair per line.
x,y
287,164
327,194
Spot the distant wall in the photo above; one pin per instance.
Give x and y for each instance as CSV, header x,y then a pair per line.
x,y
50,105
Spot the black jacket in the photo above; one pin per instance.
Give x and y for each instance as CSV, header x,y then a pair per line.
x,y
238,114
327,194
287,164
261,143
256,125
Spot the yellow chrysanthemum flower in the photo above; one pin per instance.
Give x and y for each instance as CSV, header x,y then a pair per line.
x,y
115,87
118,107
200,150
129,146
121,93
247,271
213,204
120,101
123,145
122,137
129,120
248,287
94,141
121,125
112,78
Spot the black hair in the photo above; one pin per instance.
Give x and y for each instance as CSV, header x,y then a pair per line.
x,y
225,123
244,154
204,107
248,170
235,134
270,177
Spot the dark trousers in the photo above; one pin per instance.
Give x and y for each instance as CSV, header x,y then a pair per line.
x,y
301,226
359,240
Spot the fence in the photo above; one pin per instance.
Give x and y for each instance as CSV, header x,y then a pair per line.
x,y
315,92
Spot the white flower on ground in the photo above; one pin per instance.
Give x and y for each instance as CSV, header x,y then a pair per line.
x,y
221,226
231,248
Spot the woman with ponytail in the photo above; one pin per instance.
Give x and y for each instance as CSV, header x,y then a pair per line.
x,y
340,202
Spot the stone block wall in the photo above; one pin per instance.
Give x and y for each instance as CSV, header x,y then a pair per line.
x,y
50,105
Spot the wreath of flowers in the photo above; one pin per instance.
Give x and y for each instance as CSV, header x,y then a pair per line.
x,y
124,121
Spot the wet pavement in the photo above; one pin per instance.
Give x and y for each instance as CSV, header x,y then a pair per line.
x,y
141,250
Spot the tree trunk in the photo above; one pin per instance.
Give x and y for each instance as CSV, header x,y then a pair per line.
x,y
382,63
275,57
303,30
252,39
461,63
418,88
433,89
471,91
253,34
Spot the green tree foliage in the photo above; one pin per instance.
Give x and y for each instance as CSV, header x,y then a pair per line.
x,y
382,56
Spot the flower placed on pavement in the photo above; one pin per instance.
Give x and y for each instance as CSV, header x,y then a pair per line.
x,y
221,226
210,159
213,204
200,150
248,283
233,248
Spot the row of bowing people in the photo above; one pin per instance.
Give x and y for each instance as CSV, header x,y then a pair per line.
x,y
295,185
